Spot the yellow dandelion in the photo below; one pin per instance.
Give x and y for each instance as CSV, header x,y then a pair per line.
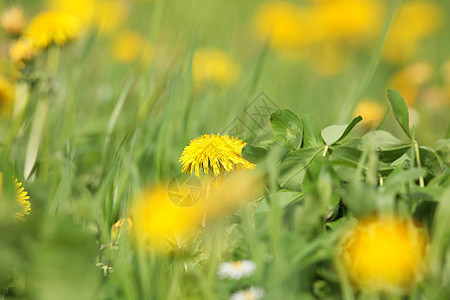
x,y
410,80
161,224
123,224
22,199
7,92
12,20
22,50
216,152
129,46
53,27
288,27
213,65
383,253
417,20
371,111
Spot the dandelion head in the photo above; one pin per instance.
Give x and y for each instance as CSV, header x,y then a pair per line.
x,y
6,95
22,198
213,65
217,153
22,50
383,254
371,111
53,27
123,224
129,46
160,224
12,20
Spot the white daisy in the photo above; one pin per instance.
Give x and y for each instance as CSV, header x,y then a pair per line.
x,y
253,293
237,269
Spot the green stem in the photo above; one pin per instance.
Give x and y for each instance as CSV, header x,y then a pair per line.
x,y
419,163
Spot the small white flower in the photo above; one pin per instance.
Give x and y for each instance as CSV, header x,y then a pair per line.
x,y
237,269
253,293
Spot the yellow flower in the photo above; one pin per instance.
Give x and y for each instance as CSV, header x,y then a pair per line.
x,y
214,65
22,50
21,198
383,253
53,27
218,152
103,15
410,80
417,20
286,26
129,46
7,92
13,20
121,225
371,111
161,224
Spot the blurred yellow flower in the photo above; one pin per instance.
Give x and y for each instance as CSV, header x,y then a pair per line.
x,y
13,20
328,58
104,15
286,26
416,21
351,20
22,50
383,253
371,111
21,198
129,46
7,93
218,152
213,65
410,80
53,27
161,224
123,224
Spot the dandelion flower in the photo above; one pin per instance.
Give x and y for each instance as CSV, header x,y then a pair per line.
x,y
160,224
383,254
123,224
253,293
417,20
22,50
213,65
53,27
237,269
22,199
216,152
6,95
129,46
13,20
371,111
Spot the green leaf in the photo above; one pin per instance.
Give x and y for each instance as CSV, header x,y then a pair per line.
x,y
334,133
311,132
320,181
430,160
282,197
398,178
292,168
400,110
287,128
253,153
389,148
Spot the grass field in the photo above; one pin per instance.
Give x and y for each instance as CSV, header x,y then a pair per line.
x,y
224,149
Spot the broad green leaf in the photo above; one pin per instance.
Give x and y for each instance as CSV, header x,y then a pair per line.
x,y
334,133
320,177
292,168
282,197
287,128
404,176
253,153
389,148
400,110
430,160
311,132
